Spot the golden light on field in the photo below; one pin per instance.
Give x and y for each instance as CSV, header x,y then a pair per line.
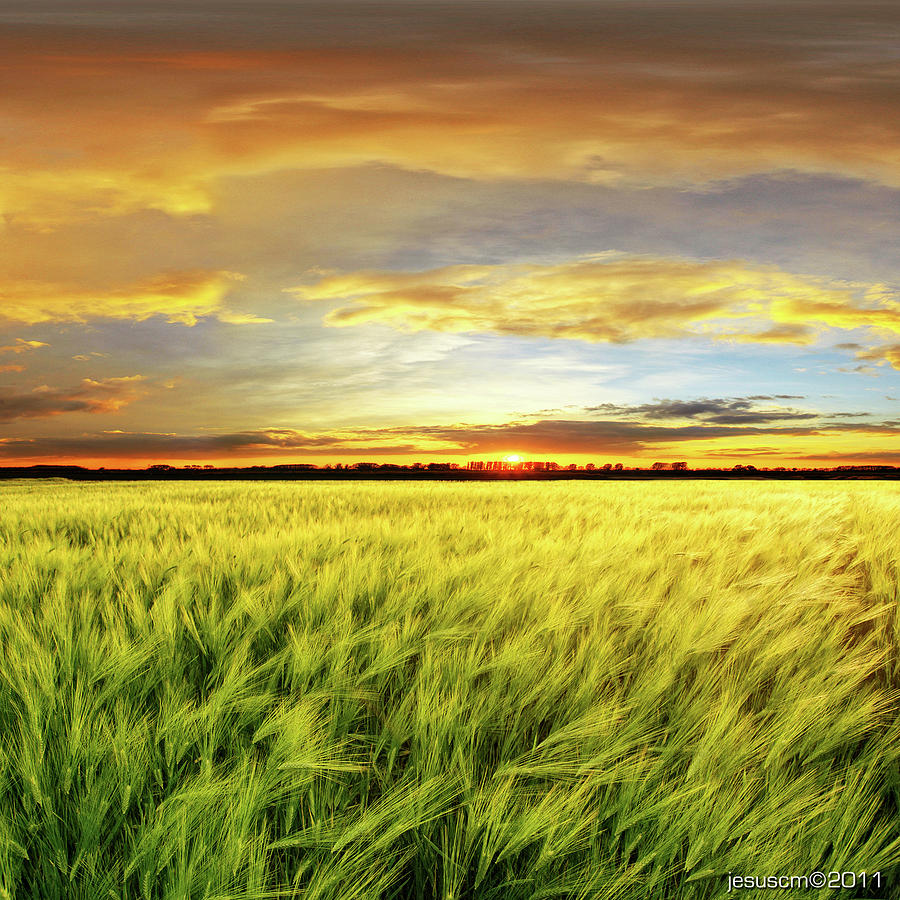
x,y
593,673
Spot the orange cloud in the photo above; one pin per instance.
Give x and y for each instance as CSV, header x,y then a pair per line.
x,y
607,298
105,127
181,297
12,368
106,396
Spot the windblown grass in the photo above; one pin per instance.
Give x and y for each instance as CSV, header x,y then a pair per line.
x,y
446,691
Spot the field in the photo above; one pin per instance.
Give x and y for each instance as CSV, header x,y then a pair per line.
x,y
621,690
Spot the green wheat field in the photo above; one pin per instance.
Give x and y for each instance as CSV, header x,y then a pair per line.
x,y
355,690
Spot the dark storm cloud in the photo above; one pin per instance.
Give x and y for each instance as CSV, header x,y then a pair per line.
x,y
545,437
889,457
609,435
142,445
735,411
747,451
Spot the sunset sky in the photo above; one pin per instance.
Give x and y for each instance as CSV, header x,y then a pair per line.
x,y
607,231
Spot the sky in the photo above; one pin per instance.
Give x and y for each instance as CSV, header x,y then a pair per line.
x,y
611,231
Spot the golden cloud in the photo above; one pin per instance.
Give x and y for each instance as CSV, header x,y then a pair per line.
x,y
182,297
22,346
888,353
42,200
607,298
778,334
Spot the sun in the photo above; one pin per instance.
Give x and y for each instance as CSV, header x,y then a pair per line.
x,y
513,457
